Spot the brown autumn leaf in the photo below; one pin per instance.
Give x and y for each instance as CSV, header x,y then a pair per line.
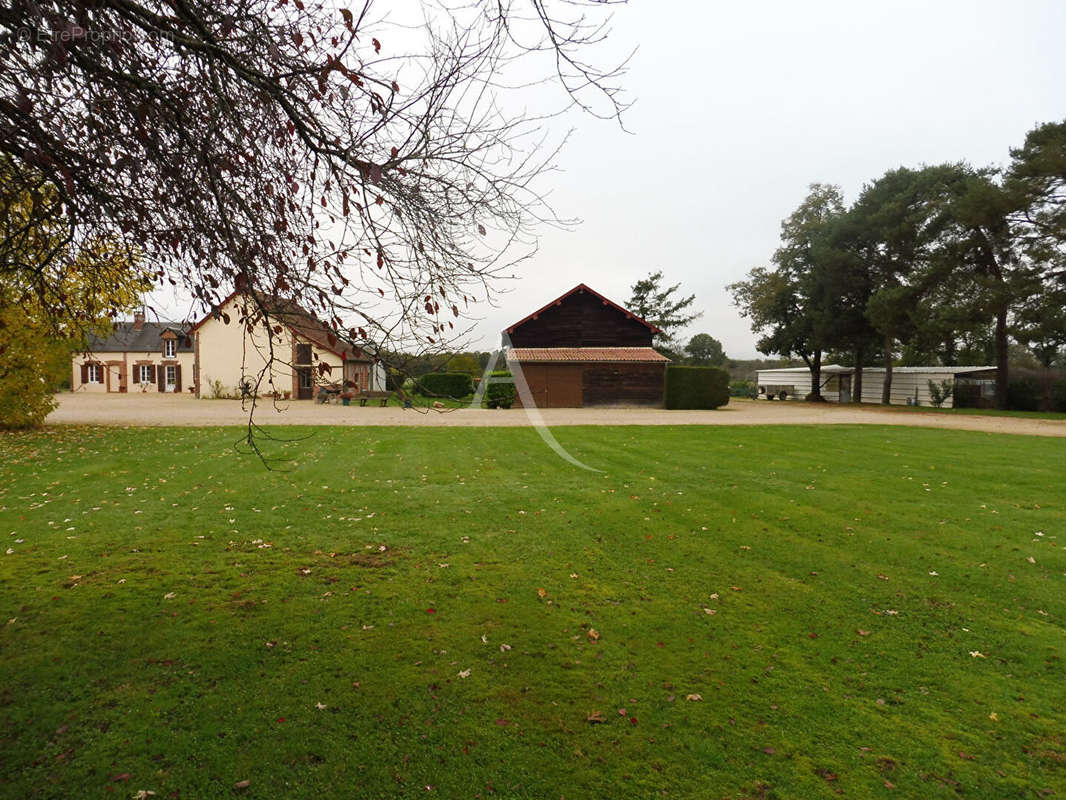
x,y
242,784
861,632
541,592
693,698
593,634
595,718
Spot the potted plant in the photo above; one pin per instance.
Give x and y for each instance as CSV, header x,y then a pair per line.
x,y
346,398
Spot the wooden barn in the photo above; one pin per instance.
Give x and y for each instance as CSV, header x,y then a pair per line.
x,y
585,350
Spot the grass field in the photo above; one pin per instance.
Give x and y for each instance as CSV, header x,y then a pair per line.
x,y
722,612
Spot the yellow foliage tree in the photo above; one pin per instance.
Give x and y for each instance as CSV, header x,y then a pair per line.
x,y
48,309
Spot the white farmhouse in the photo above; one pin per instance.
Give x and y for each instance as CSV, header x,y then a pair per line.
x,y
217,355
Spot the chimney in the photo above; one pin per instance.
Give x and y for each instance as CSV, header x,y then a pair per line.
x,y
138,320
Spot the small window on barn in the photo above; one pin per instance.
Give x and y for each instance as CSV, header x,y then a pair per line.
x,y
169,348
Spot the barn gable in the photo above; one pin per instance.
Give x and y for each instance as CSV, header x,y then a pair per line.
x,y
582,318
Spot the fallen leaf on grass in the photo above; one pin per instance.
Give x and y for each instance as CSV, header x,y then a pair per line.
x,y
593,634
694,698
541,592
769,751
594,717
861,632
709,611
464,673
242,784
503,723
976,654
170,595
504,648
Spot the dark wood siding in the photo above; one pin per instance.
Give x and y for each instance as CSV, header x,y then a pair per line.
x,y
595,384
582,320
623,384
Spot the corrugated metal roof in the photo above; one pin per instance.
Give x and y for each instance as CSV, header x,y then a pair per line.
x,y
125,338
568,355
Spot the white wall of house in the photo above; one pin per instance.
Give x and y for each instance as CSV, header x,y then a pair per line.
x,y
113,364
228,354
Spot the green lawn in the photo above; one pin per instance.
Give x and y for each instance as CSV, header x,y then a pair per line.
x,y
752,612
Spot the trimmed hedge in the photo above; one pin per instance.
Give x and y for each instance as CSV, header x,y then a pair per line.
x,y
696,387
500,395
446,384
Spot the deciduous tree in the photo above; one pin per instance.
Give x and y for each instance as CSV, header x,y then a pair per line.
x,y
704,350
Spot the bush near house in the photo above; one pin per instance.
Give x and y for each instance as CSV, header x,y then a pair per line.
x,y
500,395
446,384
696,387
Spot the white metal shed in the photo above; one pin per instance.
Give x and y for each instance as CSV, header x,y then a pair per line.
x,y
910,385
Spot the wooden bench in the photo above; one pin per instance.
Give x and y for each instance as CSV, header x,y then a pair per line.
x,y
363,397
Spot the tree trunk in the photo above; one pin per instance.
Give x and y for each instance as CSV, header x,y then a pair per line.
x,y
886,389
1001,358
816,377
856,384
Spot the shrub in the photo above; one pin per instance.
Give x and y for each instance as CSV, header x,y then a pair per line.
x,y
500,395
446,384
1058,396
696,387
743,389
1023,394
940,392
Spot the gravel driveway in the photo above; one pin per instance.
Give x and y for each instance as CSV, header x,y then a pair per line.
x,y
169,409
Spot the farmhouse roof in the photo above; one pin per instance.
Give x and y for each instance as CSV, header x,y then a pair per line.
x,y
146,338
583,288
571,355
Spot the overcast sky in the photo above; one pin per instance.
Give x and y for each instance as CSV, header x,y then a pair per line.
x,y
740,106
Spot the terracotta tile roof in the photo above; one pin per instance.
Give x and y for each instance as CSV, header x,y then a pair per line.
x,y
567,355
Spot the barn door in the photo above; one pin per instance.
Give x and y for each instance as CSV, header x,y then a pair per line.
x,y
564,386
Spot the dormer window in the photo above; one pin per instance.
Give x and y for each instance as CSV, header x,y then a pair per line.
x,y
169,348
